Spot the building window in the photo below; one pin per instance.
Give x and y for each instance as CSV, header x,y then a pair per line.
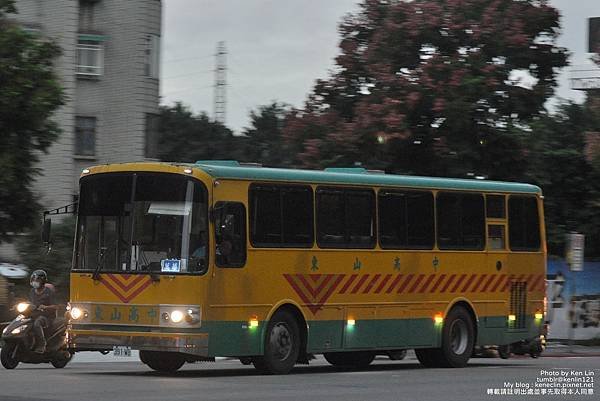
x,y
152,136
152,56
85,136
90,57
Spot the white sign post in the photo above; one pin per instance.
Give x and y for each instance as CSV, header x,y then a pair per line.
x,y
575,249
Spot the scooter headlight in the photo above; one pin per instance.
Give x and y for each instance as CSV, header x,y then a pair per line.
x,y
22,307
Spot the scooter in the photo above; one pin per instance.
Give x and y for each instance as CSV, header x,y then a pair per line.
x,y
19,341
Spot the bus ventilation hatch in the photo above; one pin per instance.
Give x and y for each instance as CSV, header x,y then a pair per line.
x,y
518,304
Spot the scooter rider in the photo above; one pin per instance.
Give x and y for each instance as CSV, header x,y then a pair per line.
x,y
42,296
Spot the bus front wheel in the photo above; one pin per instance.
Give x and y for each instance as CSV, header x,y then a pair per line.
x,y
282,345
166,362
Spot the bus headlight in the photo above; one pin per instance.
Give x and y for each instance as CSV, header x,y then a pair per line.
x,y
176,316
180,315
76,313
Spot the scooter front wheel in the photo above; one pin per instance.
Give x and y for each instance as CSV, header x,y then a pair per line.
x,y
8,356
62,360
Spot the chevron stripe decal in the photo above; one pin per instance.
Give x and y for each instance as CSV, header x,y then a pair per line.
x,y
125,286
315,289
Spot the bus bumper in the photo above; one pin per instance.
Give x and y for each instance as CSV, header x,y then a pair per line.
x,y
102,340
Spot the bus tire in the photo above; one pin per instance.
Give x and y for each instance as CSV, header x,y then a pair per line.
x,y
458,339
428,357
357,359
165,362
282,345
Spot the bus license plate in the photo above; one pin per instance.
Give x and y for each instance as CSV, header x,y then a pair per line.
x,y
122,351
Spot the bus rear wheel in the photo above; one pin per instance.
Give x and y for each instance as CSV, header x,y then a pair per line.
x,y
358,359
282,345
165,362
458,341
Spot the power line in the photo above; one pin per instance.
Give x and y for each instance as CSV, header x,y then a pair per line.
x,y
189,74
176,60
187,89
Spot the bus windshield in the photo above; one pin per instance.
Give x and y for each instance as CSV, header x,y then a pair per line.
x,y
141,222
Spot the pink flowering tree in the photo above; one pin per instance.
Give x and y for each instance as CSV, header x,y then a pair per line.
x,y
436,87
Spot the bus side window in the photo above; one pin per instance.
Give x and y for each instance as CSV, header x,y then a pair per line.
x,y
523,223
496,236
230,234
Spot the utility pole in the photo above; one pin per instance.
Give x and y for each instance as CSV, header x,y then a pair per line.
x,y
220,101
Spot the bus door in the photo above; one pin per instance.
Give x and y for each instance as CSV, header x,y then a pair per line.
x,y
497,267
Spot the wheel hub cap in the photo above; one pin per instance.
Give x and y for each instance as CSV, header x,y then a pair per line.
x,y
281,341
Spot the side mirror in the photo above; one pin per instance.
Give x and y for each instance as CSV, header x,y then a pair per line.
x,y
46,228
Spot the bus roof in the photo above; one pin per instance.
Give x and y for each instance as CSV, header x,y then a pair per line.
x,y
354,176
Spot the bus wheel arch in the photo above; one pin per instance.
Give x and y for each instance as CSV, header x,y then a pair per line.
x,y
282,339
463,302
458,338
296,311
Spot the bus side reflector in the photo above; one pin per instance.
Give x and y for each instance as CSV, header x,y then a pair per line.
x,y
253,323
539,316
351,322
512,318
438,318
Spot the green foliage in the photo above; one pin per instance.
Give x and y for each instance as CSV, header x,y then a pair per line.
x,y
264,138
571,182
427,87
185,137
7,6
29,94
57,263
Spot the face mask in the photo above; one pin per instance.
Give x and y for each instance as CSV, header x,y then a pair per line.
x,y
35,284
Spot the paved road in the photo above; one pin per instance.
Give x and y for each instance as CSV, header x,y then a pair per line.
x,y
229,380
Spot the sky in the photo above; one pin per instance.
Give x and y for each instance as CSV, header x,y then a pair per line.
x,y
276,49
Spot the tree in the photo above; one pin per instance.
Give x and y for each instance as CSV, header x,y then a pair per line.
x,y
437,87
57,262
264,137
570,181
29,94
185,137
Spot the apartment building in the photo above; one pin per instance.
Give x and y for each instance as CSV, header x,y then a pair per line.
x,y
109,69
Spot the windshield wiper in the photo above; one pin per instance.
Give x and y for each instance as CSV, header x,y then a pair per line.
x,y
101,253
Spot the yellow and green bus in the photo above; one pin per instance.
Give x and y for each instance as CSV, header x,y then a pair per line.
x,y
187,262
